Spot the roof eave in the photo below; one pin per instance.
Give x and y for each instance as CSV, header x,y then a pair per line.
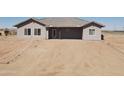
x,y
33,19
93,22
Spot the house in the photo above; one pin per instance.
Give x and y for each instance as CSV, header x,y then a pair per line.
x,y
60,28
13,31
7,31
2,32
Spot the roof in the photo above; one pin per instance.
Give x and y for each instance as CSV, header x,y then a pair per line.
x,y
59,22
28,21
63,22
93,23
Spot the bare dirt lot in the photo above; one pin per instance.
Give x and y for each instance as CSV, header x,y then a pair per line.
x,y
62,57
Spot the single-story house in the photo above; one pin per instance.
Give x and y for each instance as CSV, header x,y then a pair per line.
x,y
7,31
59,28
2,32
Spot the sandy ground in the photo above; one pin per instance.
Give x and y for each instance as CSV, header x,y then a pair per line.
x,y
62,57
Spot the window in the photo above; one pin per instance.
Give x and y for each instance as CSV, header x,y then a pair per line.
x,y
37,31
27,31
91,31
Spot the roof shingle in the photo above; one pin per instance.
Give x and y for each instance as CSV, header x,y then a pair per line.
x,y
63,22
59,22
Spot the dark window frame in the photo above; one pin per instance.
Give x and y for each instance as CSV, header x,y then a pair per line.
x,y
37,31
27,31
92,31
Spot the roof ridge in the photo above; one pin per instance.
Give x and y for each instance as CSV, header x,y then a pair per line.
x,y
81,19
43,18
77,18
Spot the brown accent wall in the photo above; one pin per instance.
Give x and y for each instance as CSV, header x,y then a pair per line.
x,y
66,33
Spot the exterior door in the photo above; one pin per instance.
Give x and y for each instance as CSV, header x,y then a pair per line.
x,y
54,33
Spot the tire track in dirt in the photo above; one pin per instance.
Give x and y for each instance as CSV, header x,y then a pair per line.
x,y
11,55
115,48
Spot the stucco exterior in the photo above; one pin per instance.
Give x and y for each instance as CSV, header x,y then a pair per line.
x,y
60,28
44,32
32,26
86,36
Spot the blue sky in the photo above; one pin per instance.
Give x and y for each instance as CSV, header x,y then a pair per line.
x,y
111,23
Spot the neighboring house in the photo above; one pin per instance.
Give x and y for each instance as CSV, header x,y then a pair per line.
x,y
60,28
2,32
8,31
13,31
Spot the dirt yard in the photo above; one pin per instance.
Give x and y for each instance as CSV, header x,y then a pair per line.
x,y
62,57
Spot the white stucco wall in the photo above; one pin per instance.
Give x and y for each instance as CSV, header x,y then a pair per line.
x,y
86,35
32,26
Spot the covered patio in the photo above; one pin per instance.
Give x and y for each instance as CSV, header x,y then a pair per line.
x,y
65,32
